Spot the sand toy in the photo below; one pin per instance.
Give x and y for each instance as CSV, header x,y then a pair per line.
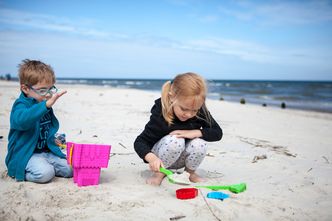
x,y
235,188
86,160
172,178
217,195
186,193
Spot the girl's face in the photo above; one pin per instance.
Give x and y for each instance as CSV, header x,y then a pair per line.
x,y
186,108
40,91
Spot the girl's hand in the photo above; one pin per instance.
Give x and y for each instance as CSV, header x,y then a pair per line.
x,y
54,98
190,134
154,162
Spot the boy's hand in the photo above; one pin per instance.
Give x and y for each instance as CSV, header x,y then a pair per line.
x,y
54,98
57,142
189,134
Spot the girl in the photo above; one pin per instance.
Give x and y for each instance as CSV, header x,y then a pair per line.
x,y
179,126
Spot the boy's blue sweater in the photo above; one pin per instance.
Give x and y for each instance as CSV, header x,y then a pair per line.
x,y
24,132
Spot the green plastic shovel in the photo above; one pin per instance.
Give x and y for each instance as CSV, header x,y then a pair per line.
x,y
235,188
171,178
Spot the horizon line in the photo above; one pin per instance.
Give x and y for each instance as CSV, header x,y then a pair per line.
x,y
167,79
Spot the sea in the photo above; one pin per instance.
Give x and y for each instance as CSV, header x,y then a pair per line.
x,y
302,95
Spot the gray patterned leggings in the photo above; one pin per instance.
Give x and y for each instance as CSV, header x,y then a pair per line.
x,y
176,153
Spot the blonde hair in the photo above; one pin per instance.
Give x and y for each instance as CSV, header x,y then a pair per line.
x,y
32,72
184,85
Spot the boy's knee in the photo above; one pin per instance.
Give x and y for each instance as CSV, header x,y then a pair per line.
x,y
43,175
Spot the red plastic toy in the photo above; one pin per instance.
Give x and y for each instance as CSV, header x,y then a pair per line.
x,y
186,193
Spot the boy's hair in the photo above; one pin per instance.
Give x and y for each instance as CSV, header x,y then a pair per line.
x,y
32,72
184,85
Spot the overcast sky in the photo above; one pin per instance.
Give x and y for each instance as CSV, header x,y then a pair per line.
x,y
248,40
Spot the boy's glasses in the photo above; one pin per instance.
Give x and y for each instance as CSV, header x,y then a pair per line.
x,y
44,91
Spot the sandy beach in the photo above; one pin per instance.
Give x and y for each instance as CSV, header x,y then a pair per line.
x,y
284,156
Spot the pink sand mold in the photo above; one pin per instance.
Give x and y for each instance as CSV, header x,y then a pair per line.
x,y
86,160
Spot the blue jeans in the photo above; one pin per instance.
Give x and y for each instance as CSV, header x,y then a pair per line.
x,y
42,167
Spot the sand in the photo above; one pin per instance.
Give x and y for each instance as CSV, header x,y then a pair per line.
x,y
284,156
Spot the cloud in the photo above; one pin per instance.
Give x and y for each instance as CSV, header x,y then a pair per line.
x,y
282,12
247,51
209,18
128,47
19,19
72,56
302,12
243,50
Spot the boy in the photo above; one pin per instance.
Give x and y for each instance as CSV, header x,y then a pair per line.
x,y
32,152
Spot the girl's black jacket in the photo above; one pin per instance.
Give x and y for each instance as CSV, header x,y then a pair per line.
x,y
157,128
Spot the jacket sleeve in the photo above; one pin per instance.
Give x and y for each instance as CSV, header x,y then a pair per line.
x,y
154,130
24,117
211,130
